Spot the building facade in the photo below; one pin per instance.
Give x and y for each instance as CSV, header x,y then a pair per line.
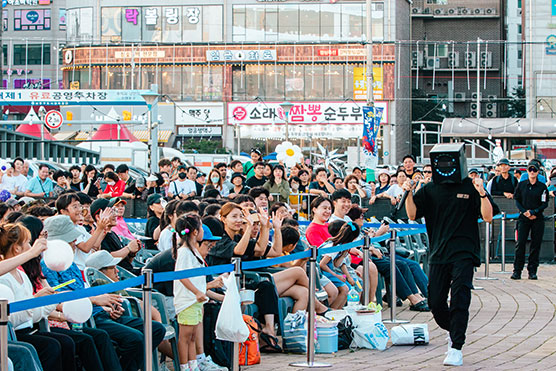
x,y
33,33
458,50
226,67
514,47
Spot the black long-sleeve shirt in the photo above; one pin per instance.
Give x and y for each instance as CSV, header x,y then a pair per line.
x,y
532,197
501,185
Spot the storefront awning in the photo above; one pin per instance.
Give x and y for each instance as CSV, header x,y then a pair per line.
x,y
144,135
82,135
499,128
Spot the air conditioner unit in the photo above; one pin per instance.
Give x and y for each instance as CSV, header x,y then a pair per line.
x,y
439,11
459,97
464,11
470,59
453,59
474,110
427,11
452,11
491,110
492,98
479,11
432,63
417,60
416,11
474,96
486,59
490,11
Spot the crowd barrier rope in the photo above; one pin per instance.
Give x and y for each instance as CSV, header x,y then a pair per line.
x,y
148,278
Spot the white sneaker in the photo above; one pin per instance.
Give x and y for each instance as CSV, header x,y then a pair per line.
x,y
449,342
194,366
209,365
453,358
184,368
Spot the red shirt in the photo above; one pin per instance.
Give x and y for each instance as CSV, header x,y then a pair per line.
x,y
117,189
317,233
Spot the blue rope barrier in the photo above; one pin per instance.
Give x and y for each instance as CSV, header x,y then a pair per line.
x,y
195,272
65,296
187,273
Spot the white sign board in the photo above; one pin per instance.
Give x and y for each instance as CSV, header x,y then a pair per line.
x,y
302,113
241,55
200,131
34,97
53,119
199,114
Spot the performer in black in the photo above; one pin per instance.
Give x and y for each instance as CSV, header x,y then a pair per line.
x,y
531,198
451,204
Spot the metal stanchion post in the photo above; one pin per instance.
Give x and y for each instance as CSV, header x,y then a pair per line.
x,y
487,255
311,316
147,318
503,245
393,281
366,283
237,272
4,313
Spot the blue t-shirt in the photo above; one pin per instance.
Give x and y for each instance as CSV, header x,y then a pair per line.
x,y
36,185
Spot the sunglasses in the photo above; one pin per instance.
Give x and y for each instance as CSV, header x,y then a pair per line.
x,y
532,169
427,172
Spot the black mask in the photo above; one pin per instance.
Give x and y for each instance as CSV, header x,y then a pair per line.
x,y
182,175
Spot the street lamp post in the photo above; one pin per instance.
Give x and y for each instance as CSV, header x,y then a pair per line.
x,y
151,98
42,114
287,106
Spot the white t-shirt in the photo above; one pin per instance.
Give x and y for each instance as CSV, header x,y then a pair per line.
x,y
178,187
188,259
165,239
334,217
80,256
22,291
395,191
18,183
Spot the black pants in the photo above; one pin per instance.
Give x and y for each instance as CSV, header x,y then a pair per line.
x,y
456,278
127,332
404,288
94,348
56,351
524,227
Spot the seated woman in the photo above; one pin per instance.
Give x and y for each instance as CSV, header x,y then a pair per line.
x,y
114,186
277,185
215,180
406,285
236,241
121,228
351,183
382,186
56,351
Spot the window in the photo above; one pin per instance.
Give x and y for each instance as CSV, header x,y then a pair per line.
x,y
111,24
441,50
79,24
288,22
32,20
171,24
32,53
254,22
5,19
212,23
309,22
152,23
131,24
5,54
352,21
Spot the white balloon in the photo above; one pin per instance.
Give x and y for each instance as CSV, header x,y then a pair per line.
x,y
58,256
78,311
6,293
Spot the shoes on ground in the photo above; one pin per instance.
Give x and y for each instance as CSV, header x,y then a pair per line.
x,y
516,276
453,358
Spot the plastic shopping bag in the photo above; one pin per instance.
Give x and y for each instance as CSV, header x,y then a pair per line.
x,y
295,332
410,334
230,325
374,336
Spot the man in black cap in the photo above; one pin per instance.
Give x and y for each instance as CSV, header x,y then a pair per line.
x,y
531,198
409,165
504,184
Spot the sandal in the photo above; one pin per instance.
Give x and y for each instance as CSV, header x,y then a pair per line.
x,y
271,344
420,307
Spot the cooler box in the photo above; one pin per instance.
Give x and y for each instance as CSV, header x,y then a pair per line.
x,y
327,340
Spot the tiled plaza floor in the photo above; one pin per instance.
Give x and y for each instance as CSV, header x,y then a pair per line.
x,y
512,327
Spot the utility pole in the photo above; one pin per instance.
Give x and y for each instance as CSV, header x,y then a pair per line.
x,y
478,80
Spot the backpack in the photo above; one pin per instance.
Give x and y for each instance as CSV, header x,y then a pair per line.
x,y
219,350
249,353
345,333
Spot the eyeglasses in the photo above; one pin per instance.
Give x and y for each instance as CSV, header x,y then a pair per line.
x,y
532,169
427,172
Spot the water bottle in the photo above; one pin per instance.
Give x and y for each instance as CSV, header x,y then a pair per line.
x,y
353,297
77,327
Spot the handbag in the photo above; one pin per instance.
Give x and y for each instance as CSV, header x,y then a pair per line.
x,y
230,325
345,332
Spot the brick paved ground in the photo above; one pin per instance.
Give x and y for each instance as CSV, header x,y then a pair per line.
x,y
512,326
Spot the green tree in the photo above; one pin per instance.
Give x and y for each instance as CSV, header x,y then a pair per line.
x,y
203,146
515,106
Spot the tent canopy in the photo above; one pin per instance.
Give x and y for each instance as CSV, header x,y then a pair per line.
x,y
34,130
517,128
110,132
